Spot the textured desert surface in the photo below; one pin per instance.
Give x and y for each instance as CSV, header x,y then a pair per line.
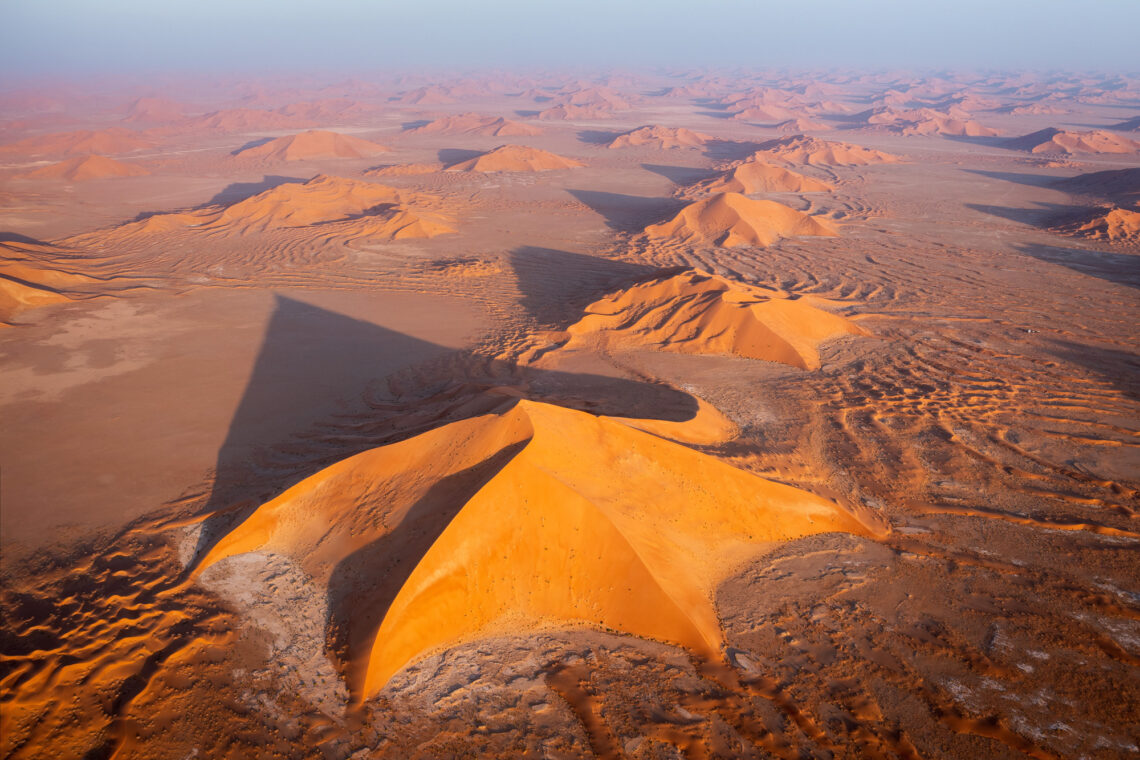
x,y
633,415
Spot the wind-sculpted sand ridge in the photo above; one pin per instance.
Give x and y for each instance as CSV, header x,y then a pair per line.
x,y
1116,225
82,168
559,537
812,151
749,177
731,219
698,313
476,124
515,158
1066,142
663,138
311,145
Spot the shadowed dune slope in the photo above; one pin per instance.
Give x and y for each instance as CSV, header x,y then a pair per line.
x,y
1053,140
515,158
731,219
560,532
313,144
474,124
699,313
82,168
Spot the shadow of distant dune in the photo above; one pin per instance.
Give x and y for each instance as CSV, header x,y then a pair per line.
x,y
252,144
1032,216
1019,178
680,175
628,213
449,156
16,237
596,136
1120,268
405,126
239,191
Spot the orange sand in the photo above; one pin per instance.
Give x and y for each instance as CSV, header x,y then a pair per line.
x,y
475,124
515,158
660,137
801,149
756,177
731,219
314,144
82,168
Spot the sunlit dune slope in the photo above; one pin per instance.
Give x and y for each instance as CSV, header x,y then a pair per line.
x,y
660,137
313,144
112,141
515,158
82,168
578,520
29,279
698,313
731,219
475,124
1053,140
801,149
755,177
1105,223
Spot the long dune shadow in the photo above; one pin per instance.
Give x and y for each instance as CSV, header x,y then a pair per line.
x,y
449,156
1120,268
16,237
416,124
252,144
1120,368
235,192
1032,216
325,386
1019,178
730,150
596,136
985,142
628,213
680,175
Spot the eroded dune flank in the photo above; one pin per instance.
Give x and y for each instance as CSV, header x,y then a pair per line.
x,y
1053,140
1118,225
82,168
698,313
732,219
574,519
340,205
311,145
654,136
756,177
476,124
515,158
801,149
29,278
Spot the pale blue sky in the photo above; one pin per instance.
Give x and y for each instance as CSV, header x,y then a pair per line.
x,y
90,36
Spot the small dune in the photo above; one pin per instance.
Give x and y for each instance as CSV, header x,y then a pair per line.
x,y
1066,142
312,145
113,141
698,313
732,219
515,158
660,137
533,517
1116,225
755,177
569,112
81,168
801,149
475,124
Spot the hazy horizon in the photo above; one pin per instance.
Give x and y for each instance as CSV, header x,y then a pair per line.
x,y
71,38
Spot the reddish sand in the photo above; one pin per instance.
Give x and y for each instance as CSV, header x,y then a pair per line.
x,y
1052,140
567,112
801,149
699,313
475,124
113,141
755,177
82,168
312,145
731,219
515,158
660,137
1120,225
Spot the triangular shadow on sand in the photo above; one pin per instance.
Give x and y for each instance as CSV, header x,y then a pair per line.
x,y
1120,268
628,213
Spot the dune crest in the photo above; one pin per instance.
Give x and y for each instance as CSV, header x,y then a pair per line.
x,y
515,158
654,136
545,536
313,144
1067,142
732,219
801,149
699,313
755,177
475,124
82,168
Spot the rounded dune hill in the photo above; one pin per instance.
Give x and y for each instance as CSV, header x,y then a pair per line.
x,y
475,124
311,145
660,137
732,219
112,141
81,168
570,112
1053,140
801,149
515,158
695,312
756,177
535,517
801,125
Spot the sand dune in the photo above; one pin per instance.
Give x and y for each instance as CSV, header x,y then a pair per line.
x,y
764,114
1053,140
800,125
515,158
236,120
155,110
756,177
654,136
311,145
425,96
732,219
29,278
1118,225
556,529
475,124
566,112
699,313
82,168
926,121
113,141
801,149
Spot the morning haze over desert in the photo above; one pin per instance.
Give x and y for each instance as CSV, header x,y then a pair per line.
x,y
631,380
